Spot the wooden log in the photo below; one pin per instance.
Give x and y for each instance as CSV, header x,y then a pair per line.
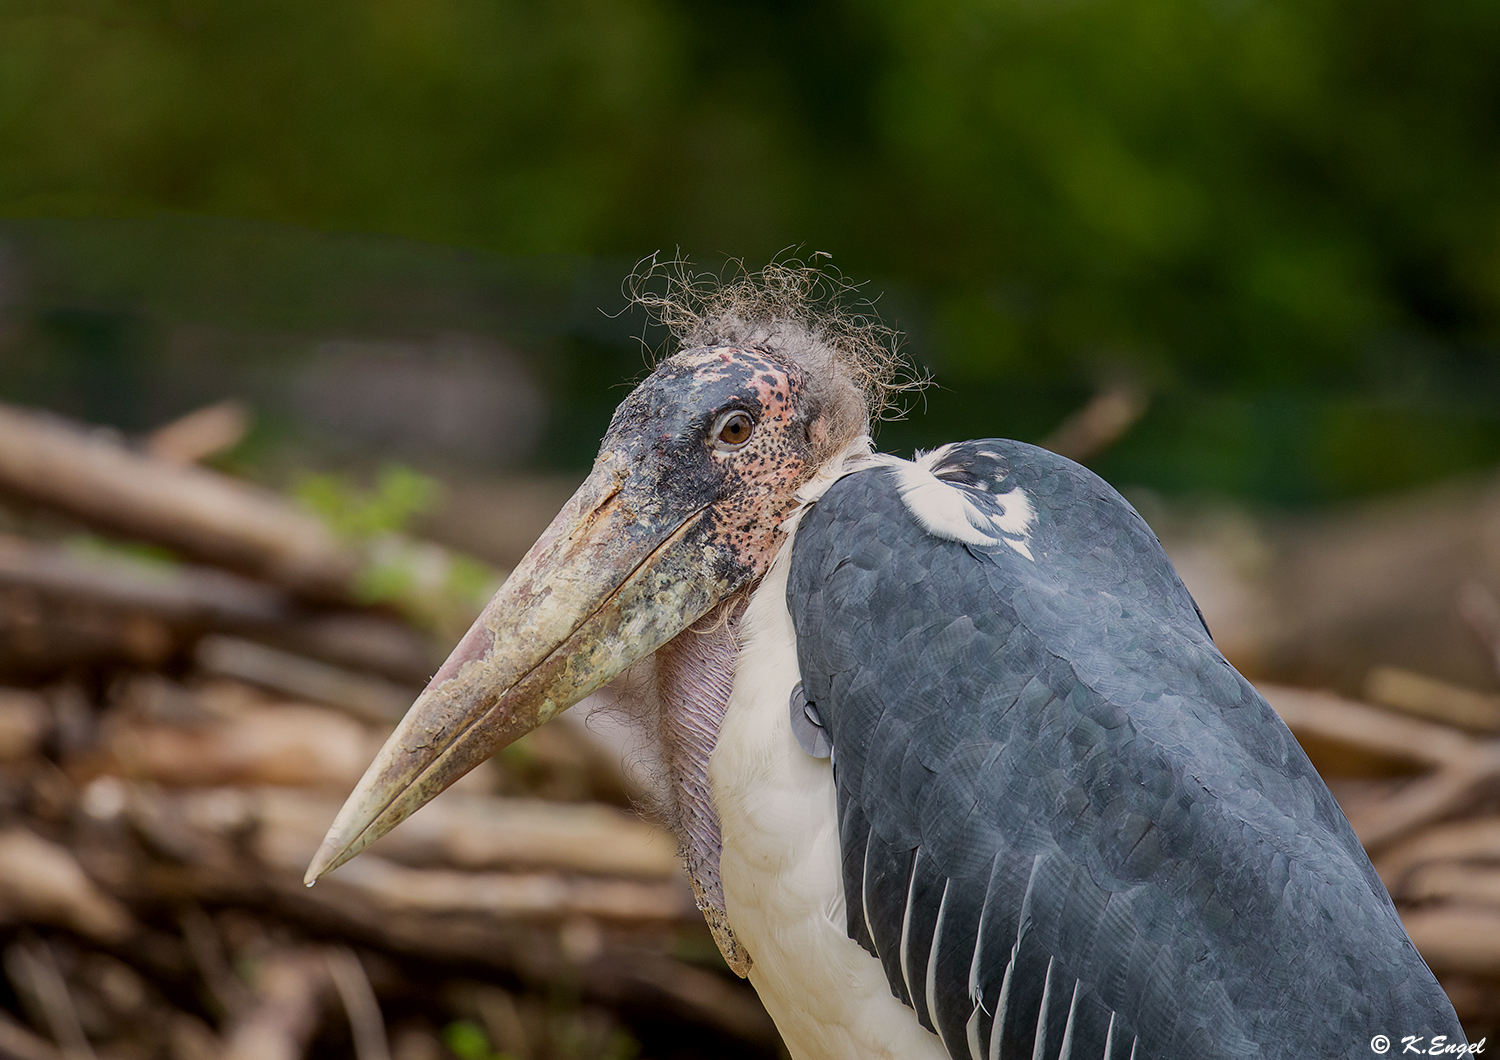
x,y
474,832
190,600
197,512
1453,788
41,637
288,744
1476,839
455,830
1427,697
178,593
601,937
1456,938
531,897
208,828
1447,881
369,699
1327,717
358,640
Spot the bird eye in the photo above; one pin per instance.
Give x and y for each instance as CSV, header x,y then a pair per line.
x,y
731,430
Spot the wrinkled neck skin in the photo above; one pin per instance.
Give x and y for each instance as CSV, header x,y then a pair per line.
x,y
694,676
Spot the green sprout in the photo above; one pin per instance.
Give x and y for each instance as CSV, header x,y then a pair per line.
x,y
441,589
400,494
467,1040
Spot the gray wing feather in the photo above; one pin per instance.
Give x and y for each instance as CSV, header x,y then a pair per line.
x,y
1067,824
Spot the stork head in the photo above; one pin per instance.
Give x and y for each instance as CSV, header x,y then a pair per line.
x,y
700,465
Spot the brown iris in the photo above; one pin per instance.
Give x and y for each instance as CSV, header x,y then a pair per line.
x,y
732,430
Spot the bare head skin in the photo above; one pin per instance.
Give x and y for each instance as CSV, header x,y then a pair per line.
x,y
683,510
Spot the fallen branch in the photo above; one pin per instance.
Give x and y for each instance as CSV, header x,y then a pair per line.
x,y
42,883
200,434
1454,787
1472,840
367,698
363,641
190,600
455,830
1456,939
598,935
212,830
1430,698
195,511
32,969
366,1024
229,992
1325,716
288,995
1099,424
18,1041
1480,610
181,594
1453,883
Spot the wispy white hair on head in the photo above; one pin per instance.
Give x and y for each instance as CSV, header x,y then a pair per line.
x,y
794,311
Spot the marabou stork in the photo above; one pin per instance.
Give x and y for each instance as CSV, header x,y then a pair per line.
x,y
956,767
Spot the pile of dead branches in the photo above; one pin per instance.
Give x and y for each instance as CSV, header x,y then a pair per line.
x,y
193,673
178,726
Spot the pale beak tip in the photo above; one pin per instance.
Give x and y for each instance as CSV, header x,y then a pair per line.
x,y
328,858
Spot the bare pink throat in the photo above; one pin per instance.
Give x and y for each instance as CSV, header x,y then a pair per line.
x,y
694,677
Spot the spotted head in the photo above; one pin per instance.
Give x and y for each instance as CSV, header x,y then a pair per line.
x,y
684,507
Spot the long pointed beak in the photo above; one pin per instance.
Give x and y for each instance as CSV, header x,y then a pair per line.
x,y
616,575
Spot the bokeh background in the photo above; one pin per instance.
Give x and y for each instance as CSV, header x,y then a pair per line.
x,y
1280,217
394,235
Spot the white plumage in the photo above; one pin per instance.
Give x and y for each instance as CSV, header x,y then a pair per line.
x,y
780,858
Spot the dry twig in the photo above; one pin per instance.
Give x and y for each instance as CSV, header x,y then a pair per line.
x,y
33,971
366,1024
1099,424
201,434
42,883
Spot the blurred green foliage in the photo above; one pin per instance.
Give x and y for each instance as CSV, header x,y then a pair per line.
x,y
438,588
466,1040
400,493
1282,216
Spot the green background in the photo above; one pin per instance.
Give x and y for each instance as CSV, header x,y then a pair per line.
x,y
1282,217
